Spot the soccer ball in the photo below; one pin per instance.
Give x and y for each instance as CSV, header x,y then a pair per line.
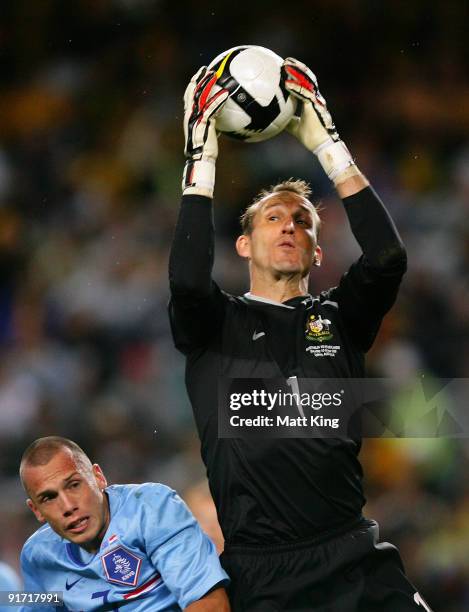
x,y
259,107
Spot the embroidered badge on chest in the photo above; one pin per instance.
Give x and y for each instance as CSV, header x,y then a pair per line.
x,y
121,566
318,329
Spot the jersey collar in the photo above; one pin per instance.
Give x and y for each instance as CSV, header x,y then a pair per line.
x,y
306,300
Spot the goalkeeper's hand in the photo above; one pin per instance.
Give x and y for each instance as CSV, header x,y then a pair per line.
x,y
201,146
315,128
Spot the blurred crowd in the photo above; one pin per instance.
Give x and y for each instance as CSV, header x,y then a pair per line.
x,y
90,167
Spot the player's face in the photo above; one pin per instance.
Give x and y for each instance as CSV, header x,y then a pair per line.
x,y
68,494
283,239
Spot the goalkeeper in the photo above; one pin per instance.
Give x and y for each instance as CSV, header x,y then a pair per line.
x,y
290,509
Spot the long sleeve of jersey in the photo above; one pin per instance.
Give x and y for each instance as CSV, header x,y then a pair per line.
x,y
196,303
369,288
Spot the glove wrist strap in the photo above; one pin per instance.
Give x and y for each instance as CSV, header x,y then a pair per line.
x,y
336,160
199,177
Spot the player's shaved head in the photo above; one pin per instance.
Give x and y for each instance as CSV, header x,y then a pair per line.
x,y
42,450
66,491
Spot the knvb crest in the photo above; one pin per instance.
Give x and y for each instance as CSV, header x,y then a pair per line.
x,y
318,329
121,566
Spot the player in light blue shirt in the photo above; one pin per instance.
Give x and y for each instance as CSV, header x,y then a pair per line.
x,y
129,547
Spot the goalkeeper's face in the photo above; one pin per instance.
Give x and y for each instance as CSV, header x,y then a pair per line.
x,y
68,493
283,237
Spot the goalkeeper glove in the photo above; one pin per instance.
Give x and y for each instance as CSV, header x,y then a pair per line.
x,y
315,128
201,146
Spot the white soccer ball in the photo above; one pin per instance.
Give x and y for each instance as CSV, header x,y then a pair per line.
x,y
259,107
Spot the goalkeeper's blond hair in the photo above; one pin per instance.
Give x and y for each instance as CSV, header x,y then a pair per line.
x,y
297,186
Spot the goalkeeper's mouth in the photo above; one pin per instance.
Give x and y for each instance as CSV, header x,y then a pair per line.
x,y
287,244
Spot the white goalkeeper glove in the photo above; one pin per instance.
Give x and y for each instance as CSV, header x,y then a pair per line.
x,y
315,128
201,146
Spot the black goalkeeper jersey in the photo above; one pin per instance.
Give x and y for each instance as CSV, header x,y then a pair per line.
x,y
276,491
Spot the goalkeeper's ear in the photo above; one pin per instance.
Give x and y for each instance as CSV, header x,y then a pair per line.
x,y
317,256
243,246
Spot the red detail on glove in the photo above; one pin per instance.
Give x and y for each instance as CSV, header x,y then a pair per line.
x,y
300,78
207,88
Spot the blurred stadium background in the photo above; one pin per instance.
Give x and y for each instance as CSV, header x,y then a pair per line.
x,y
90,166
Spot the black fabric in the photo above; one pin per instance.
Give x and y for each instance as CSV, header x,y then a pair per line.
x,y
279,491
350,573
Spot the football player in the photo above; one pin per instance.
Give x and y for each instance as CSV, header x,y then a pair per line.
x,y
135,547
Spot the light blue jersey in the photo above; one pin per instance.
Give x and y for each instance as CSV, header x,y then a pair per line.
x,y
153,556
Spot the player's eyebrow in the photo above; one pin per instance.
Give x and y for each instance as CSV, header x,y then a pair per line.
x,y
272,205
302,208
49,492
279,202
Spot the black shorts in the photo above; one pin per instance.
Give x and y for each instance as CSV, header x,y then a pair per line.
x,y
350,573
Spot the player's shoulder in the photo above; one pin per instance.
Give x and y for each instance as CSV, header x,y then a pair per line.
x,y
234,305
154,493
152,509
45,535
43,540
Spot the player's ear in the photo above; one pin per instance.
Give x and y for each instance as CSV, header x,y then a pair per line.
x,y
35,511
317,257
243,246
99,476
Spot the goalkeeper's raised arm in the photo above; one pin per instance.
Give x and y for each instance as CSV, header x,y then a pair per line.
x,y
370,287
196,305
315,129
201,105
